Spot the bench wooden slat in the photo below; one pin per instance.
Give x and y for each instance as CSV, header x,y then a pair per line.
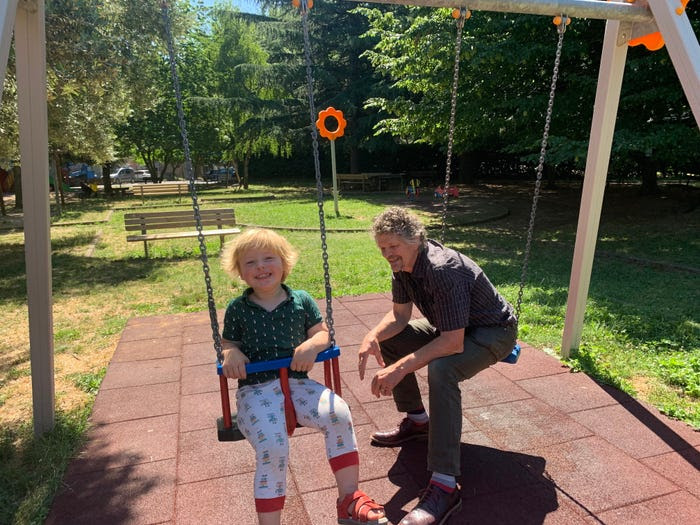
x,y
146,188
180,213
180,235
164,220
160,225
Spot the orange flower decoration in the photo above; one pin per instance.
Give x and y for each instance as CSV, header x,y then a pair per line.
x,y
321,123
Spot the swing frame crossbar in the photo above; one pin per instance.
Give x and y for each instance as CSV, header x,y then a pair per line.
x,y
572,8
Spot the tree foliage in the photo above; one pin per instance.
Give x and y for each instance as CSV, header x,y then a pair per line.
x,y
506,67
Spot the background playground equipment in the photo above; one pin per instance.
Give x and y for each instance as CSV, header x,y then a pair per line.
x,y
331,112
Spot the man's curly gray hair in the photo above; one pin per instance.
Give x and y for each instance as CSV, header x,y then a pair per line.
x,y
399,221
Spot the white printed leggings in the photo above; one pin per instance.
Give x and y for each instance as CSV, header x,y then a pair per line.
x,y
261,419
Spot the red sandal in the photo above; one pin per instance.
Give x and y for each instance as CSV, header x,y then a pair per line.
x,y
362,505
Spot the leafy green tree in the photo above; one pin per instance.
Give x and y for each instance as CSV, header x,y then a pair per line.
x,y
506,66
246,104
153,136
9,129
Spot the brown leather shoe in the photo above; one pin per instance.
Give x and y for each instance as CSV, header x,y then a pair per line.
x,y
406,431
435,507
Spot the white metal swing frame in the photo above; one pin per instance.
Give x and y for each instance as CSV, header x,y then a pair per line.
x,y
624,21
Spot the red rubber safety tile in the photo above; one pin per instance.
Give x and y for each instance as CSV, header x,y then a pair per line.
x,y
197,333
199,354
200,378
471,437
572,392
487,470
676,508
341,317
200,411
368,306
123,404
532,363
127,443
349,299
362,389
638,430
489,387
151,348
139,328
138,494
525,424
310,467
536,504
368,321
682,468
350,335
149,372
223,501
202,456
600,476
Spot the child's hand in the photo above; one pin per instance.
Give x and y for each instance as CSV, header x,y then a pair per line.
x,y
234,363
303,359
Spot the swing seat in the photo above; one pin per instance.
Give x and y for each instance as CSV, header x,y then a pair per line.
x,y
513,356
233,433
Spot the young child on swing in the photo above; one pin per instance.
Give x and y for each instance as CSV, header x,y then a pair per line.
x,y
271,321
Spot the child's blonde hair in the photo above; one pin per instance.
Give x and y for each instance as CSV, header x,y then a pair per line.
x,y
258,239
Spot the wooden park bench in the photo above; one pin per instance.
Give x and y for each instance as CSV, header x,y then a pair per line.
x,y
146,222
179,189
353,179
371,180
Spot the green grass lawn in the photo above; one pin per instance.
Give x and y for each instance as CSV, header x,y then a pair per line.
x,y
641,332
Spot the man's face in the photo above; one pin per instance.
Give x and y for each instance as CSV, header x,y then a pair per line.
x,y
400,254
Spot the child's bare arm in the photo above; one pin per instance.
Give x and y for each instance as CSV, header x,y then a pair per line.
x,y
305,354
234,360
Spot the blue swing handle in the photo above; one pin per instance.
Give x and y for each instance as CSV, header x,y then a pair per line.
x,y
276,364
512,358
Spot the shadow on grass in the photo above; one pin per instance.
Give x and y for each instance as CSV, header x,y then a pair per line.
x,y
72,272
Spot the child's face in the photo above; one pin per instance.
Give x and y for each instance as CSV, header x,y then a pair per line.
x,y
261,269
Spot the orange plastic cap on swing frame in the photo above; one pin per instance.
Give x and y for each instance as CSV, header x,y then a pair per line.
x,y
456,13
652,41
321,123
309,3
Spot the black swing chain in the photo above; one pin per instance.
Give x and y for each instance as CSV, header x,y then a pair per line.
x,y
561,29
304,10
193,190
453,111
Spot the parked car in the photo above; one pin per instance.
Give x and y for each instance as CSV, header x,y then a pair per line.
x,y
220,175
84,174
122,175
142,176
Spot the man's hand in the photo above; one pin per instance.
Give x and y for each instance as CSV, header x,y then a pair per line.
x,y
234,363
370,346
385,380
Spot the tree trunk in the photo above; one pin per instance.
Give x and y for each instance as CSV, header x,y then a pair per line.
x,y
17,173
468,163
106,181
548,173
246,164
647,170
3,211
57,183
354,159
